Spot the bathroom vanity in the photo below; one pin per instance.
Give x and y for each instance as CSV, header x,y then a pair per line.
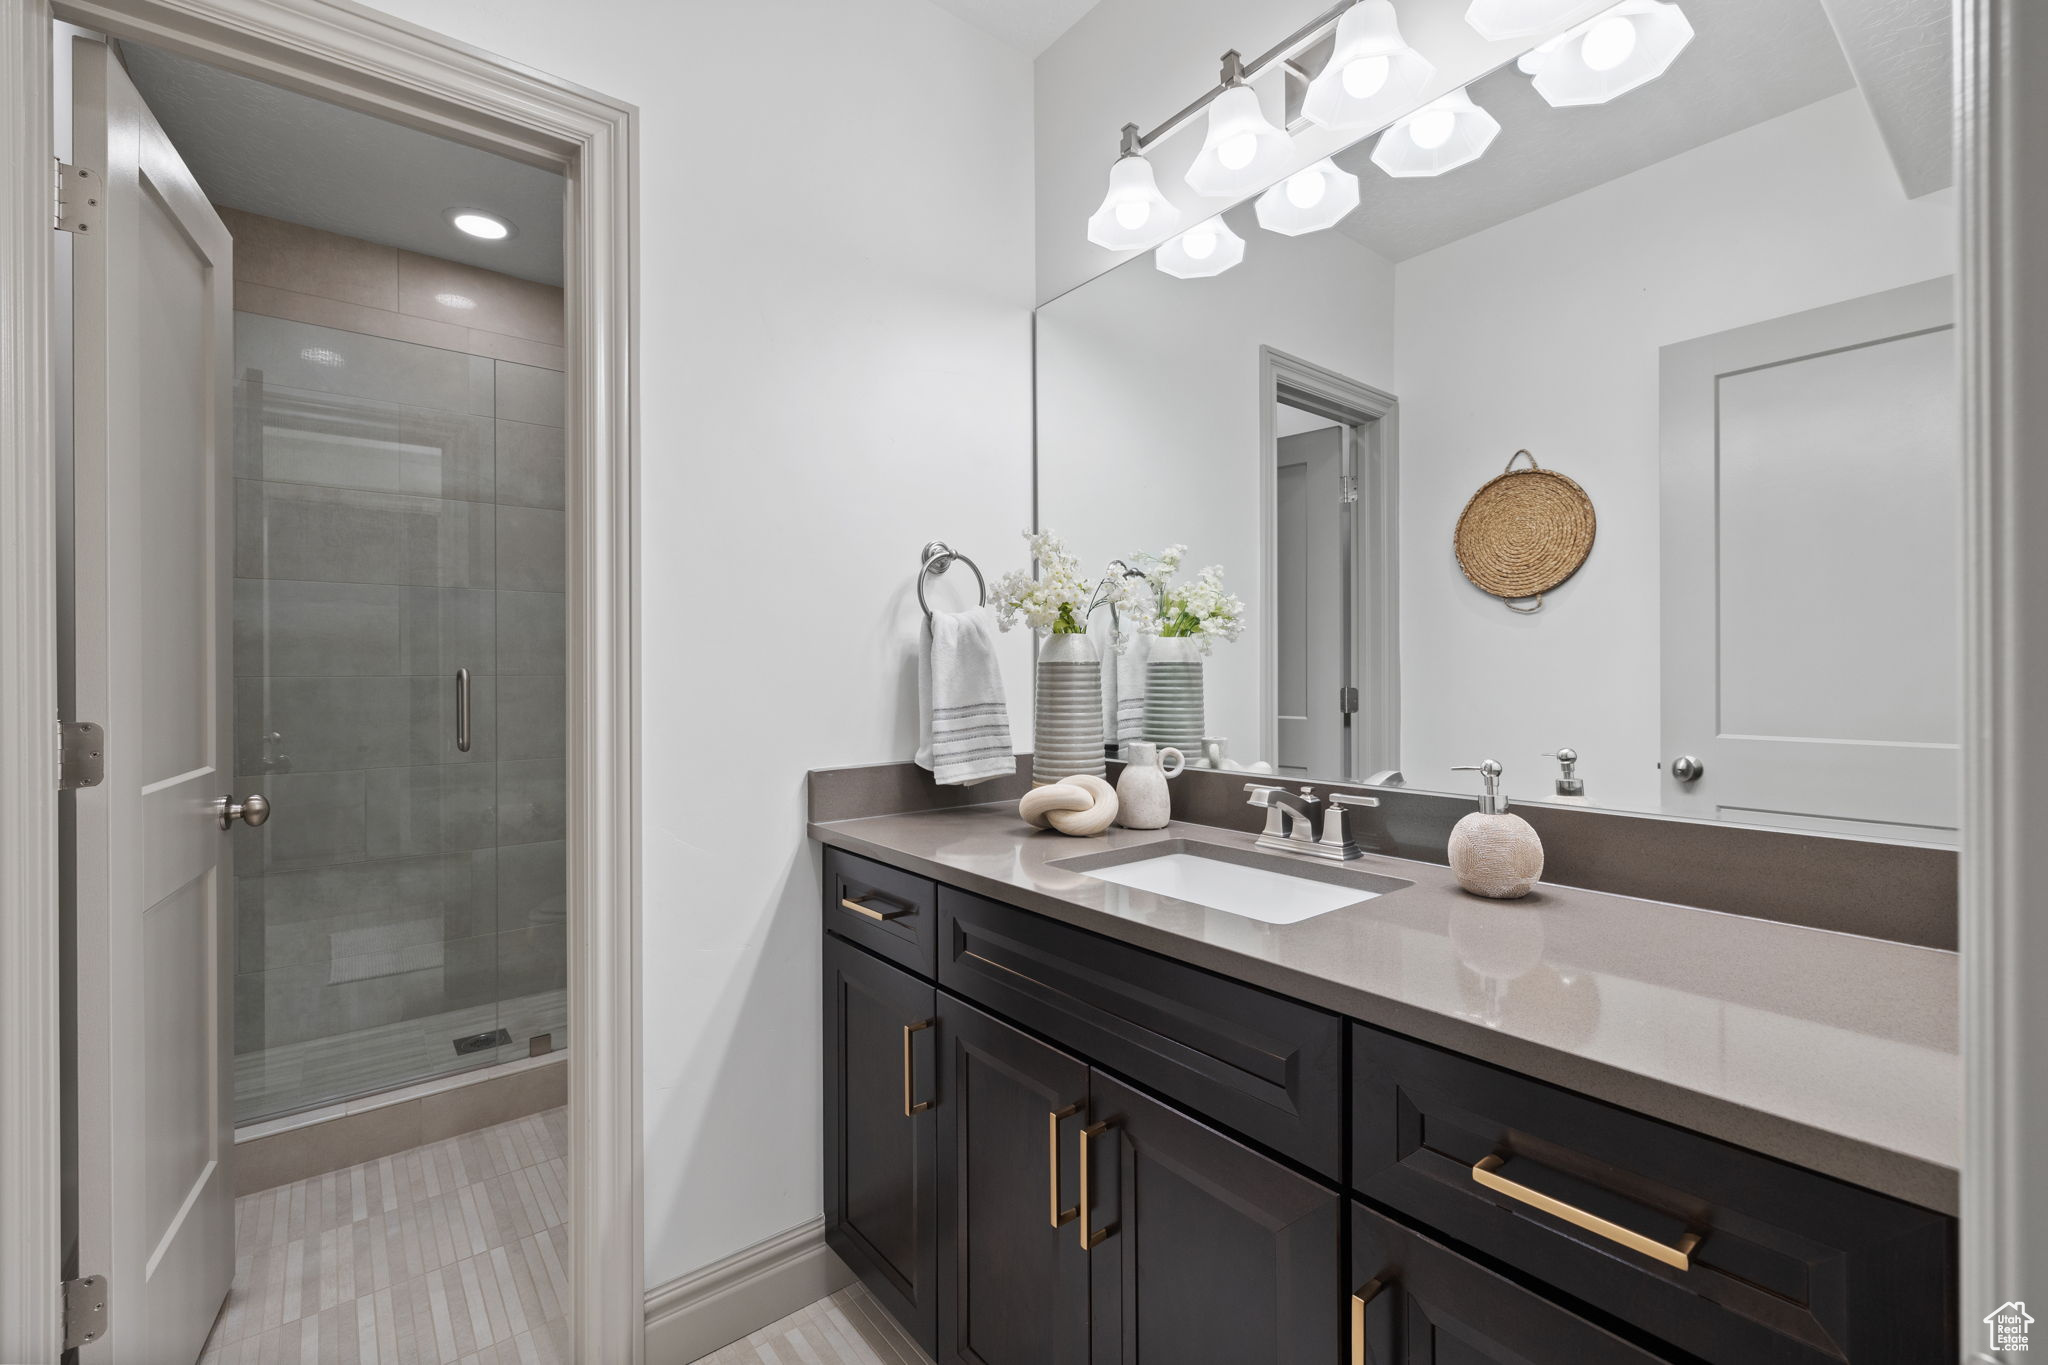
x,y
1070,1119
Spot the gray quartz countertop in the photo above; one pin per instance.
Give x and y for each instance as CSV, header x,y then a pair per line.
x,y
1830,1051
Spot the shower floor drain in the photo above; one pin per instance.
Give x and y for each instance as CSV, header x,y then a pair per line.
x,y
482,1042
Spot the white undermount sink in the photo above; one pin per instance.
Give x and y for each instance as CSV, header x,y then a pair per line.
x,y
1259,886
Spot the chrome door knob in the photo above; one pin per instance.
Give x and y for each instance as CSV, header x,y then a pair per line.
x,y
1686,768
250,810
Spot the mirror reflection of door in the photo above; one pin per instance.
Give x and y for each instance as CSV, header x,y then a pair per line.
x,y
1313,537
1812,492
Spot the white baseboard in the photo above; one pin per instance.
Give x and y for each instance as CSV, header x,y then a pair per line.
x,y
690,1317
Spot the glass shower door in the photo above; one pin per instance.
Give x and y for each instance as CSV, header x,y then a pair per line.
x,y
401,914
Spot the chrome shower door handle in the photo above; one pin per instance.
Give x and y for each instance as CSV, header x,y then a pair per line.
x,y
462,709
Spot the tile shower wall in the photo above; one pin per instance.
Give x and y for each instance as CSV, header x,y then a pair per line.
x,y
399,491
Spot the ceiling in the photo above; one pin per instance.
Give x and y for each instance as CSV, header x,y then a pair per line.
x,y
1030,26
271,151
1749,61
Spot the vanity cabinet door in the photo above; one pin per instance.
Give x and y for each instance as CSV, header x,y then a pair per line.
x,y
1415,1302
1013,1276
1205,1250
882,1096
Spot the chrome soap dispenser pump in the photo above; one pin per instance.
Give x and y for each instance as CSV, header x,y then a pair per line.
x,y
1570,786
1493,853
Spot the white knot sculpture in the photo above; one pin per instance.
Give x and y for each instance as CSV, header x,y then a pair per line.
x,y
1082,806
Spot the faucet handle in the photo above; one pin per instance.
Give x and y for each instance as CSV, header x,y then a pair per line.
x,y
1353,799
1262,795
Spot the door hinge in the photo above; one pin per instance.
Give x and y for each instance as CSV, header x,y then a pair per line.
x,y
1351,488
1347,700
81,754
85,1311
78,198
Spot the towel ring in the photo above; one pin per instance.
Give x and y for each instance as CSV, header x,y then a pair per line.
x,y
938,557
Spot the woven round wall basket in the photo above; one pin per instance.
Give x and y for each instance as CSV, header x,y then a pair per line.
x,y
1524,532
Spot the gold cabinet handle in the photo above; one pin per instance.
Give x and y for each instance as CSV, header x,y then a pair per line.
x,y
1090,1240
1679,1257
1058,1216
910,1110
1366,1293
863,908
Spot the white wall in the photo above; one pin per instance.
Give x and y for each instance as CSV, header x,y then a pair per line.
x,y
835,275
1141,61
1543,333
1149,425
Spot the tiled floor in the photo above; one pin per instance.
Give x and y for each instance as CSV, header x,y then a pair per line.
x,y
848,1328
450,1254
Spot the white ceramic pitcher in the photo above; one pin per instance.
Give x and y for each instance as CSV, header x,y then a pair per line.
x,y
1141,795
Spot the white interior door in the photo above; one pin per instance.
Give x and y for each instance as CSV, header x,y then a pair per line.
x,y
1811,504
152,372
1310,628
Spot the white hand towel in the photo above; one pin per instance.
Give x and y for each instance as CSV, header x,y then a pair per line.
x,y
1130,689
963,717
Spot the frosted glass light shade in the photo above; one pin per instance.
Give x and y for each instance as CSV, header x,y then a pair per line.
x,y
1134,212
1372,75
1496,19
1309,200
1440,136
1208,248
1610,54
1242,152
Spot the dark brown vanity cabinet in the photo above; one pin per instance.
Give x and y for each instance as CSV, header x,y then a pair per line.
x,y
1013,1278
1044,1147
1416,1302
881,1131
1204,1250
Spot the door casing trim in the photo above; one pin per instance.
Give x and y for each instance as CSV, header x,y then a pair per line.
x,y
1375,567
359,58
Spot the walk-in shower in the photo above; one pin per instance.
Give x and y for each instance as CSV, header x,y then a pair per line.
x,y
399,679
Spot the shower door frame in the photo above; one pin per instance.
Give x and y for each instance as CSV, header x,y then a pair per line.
x,y
361,59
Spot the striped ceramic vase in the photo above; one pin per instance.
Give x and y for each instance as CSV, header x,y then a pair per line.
x,y
1173,694
1067,716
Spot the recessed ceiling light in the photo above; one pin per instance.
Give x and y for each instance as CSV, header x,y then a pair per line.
x,y
451,300
477,223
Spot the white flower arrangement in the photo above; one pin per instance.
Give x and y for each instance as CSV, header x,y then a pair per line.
x,y
1059,601
1201,611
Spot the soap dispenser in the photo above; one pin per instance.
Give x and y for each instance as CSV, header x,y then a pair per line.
x,y
1493,853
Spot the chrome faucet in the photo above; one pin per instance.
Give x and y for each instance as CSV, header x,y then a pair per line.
x,y
1291,821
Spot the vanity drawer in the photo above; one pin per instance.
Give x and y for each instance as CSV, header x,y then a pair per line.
x,y
1735,1258
888,911
1269,1068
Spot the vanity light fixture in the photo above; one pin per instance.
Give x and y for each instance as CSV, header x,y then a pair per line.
x,y
476,223
1134,212
1497,19
1440,136
1242,150
1610,54
1208,248
1311,199
1372,73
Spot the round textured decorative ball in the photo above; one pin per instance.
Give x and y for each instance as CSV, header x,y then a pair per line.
x,y
1524,532
1082,805
1496,855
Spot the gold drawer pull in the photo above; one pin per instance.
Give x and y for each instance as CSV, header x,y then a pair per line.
x,y
911,1110
1677,1257
863,908
1090,1240
1058,1216
1367,1292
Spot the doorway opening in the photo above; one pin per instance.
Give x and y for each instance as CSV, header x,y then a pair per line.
x,y
144,517
1330,533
